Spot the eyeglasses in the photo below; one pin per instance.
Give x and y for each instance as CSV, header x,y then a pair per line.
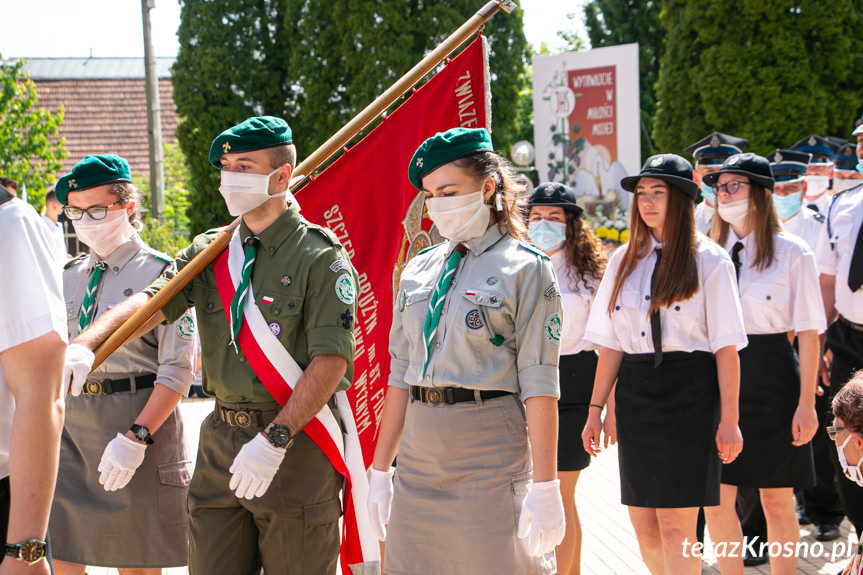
x,y
730,188
95,212
832,430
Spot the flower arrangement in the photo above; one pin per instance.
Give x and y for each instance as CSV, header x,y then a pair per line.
x,y
613,229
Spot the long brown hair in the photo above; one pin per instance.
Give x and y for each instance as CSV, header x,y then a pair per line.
x,y
677,278
584,253
763,221
483,165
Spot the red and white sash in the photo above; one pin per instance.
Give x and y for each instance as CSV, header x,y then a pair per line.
x,y
279,372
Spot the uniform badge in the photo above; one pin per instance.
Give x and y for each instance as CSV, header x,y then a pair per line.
x,y
551,292
275,328
732,160
714,141
72,184
551,327
286,280
473,319
403,297
420,162
345,289
347,319
491,281
655,162
777,157
186,327
339,265
226,147
127,292
812,140
549,189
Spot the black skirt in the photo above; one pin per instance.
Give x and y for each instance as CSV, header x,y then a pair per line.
x,y
576,386
666,426
769,393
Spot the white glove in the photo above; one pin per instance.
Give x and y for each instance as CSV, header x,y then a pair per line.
x,y
380,500
255,466
122,456
78,365
541,521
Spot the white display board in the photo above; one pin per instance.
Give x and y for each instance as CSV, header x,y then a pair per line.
x,y
587,122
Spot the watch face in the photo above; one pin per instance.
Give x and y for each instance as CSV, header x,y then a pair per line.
x,y
279,435
32,551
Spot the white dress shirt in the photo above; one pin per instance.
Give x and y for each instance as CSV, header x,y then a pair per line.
x,y
703,218
805,224
708,321
845,219
822,202
783,297
576,298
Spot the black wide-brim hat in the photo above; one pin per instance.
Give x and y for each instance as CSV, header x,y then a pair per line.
x,y
555,194
670,168
755,167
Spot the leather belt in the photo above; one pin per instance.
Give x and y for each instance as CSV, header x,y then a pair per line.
x,y
851,324
238,417
95,387
451,395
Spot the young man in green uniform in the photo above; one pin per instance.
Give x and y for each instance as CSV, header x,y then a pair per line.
x,y
263,493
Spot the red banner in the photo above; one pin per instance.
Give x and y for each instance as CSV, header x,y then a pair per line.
x,y
365,198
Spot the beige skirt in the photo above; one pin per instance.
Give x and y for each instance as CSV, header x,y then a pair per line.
x,y
461,475
142,525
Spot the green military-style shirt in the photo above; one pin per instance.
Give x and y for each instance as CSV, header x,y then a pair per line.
x,y
305,287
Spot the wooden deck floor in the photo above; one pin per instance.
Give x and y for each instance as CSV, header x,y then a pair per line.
x,y
609,545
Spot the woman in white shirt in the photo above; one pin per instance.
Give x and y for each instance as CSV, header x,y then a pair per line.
x,y
471,402
555,226
675,362
780,295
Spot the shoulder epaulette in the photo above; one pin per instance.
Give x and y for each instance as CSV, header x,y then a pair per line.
x,y
428,249
326,232
530,248
74,261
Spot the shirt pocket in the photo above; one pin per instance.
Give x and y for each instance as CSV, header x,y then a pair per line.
x,y
768,306
73,310
484,315
627,316
283,312
683,322
414,313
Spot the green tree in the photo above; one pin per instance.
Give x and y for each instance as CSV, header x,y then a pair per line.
x,y
771,71
173,233
30,152
316,63
614,22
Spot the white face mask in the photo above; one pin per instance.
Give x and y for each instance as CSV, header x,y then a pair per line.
x,y
106,235
243,192
852,472
460,218
816,185
734,212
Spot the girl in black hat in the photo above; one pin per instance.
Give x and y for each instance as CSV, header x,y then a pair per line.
x,y
780,295
555,226
675,363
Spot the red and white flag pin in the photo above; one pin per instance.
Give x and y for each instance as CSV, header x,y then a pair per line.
x,y
267,300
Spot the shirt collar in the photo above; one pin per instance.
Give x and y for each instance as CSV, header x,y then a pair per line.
x,y
478,245
277,232
733,238
558,259
119,257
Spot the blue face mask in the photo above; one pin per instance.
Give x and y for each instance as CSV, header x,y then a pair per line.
x,y
708,194
547,235
860,166
787,206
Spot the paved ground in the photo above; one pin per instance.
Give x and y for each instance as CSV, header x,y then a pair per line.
x,y
609,544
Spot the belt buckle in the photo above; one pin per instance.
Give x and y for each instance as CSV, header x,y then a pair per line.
x,y
434,396
94,387
243,418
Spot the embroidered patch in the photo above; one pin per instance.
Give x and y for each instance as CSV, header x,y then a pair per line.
x,y
491,281
551,292
551,327
127,292
347,319
403,298
275,328
186,327
345,289
473,319
286,280
339,265
267,300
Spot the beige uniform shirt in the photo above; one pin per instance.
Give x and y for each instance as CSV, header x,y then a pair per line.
x,y
501,287
167,351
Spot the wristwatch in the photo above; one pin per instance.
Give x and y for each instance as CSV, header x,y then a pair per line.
x,y
279,435
141,433
29,551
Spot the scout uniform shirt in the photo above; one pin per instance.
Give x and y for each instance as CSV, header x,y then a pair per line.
x,y
167,351
294,280
502,287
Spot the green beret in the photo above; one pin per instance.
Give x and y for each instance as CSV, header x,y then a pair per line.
x,y
93,171
253,134
444,147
